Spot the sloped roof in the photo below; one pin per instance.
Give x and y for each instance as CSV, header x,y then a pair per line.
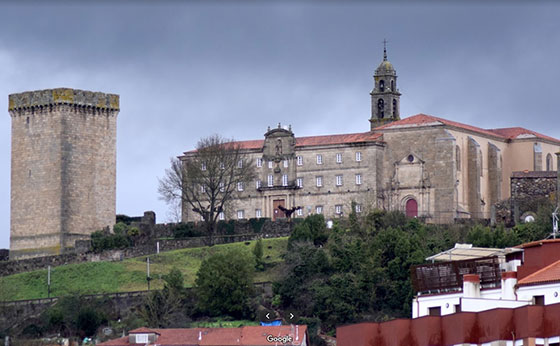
x,y
360,137
250,336
419,120
466,251
548,274
537,243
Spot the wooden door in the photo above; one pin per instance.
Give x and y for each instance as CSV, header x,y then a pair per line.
x,y
277,213
411,208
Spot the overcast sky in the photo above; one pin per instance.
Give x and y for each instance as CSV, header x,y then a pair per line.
x,y
185,70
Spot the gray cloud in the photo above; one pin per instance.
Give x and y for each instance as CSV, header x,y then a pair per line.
x,y
186,70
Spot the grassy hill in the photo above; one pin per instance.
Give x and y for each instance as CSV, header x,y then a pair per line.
x,y
130,274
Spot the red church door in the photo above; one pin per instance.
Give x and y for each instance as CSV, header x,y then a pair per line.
x,y
411,208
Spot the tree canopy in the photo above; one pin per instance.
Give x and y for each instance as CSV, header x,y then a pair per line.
x,y
208,179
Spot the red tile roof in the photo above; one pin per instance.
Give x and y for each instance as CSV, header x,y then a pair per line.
x,y
548,274
361,137
426,120
254,335
537,243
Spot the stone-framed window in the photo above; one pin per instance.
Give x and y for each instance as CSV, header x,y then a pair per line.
x,y
240,214
259,184
358,208
338,180
202,189
270,164
358,179
240,164
299,212
338,209
240,186
549,162
222,186
203,166
284,180
299,160
319,209
299,182
319,180
270,180
339,158
221,216
258,213
259,162
319,159
358,156
285,163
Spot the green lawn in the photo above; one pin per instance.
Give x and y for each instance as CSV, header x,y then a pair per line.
x,y
130,274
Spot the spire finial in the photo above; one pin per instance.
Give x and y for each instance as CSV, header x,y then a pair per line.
x,y
384,50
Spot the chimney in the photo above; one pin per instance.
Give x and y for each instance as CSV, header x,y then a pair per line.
x,y
471,286
509,280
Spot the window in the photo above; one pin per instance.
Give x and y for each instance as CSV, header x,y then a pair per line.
x,y
549,162
203,166
358,208
299,160
284,180
240,164
339,180
240,186
338,209
201,217
270,180
202,189
358,156
299,212
458,157
270,164
222,166
339,158
319,159
259,162
319,209
358,179
319,181
259,184
142,339
382,85
240,214
435,311
222,187
221,216
285,163
258,213
394,106
299,182
539,300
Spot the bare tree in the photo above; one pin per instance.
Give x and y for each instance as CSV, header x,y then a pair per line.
x,y
205,180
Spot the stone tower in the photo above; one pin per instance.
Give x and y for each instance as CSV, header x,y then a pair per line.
x,y
385,96
63,174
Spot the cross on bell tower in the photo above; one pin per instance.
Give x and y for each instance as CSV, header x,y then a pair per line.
x,y
385,96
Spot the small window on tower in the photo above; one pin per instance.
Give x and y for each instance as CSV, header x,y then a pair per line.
x,y
392,85
394,107
382,85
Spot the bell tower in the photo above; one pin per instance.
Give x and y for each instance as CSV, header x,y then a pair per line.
x,y
385,96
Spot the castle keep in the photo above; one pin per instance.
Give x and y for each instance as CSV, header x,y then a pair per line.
x,y
63,168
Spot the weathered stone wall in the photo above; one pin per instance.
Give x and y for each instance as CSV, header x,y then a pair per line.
x,y
474,171
146,246
539,184
63,168
420,164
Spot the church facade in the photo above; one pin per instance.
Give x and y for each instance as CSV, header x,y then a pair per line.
x,y
423,165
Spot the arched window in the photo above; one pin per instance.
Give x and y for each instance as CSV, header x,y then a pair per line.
x,y
392,85
549,162
380,108
394,107
382,85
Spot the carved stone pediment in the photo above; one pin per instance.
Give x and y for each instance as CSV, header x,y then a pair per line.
x,y
279,144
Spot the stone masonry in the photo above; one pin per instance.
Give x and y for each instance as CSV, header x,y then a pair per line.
x,y
63,173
